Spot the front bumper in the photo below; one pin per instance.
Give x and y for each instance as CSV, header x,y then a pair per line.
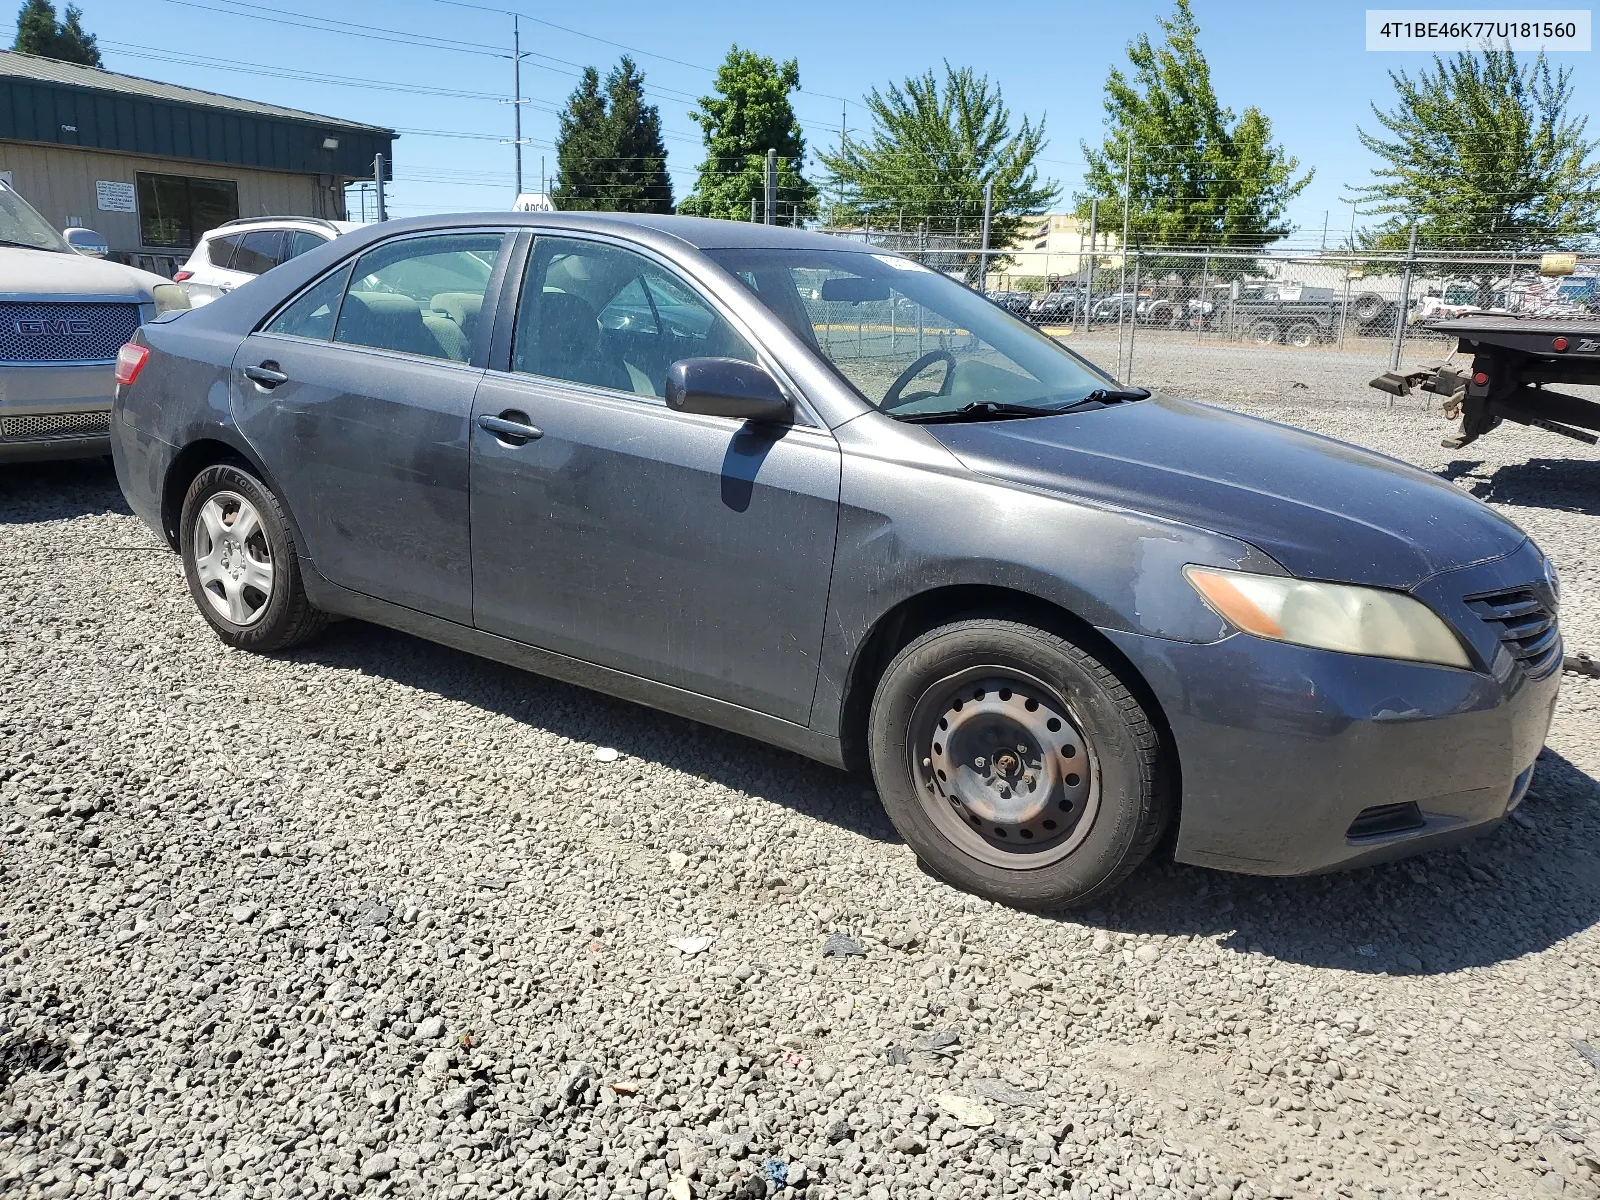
x,y
53,411
1281,748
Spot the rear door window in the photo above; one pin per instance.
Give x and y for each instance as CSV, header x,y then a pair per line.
x,y
259,252
420,295
314,311
220,249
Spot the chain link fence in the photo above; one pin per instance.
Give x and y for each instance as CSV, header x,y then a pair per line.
x,y
1365,304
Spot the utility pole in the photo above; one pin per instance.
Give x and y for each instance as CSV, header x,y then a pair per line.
x,y
377,183
844,146
772,187
983,253
516,95
516,101
1325,213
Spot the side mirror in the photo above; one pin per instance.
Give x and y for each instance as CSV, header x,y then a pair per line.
x,y
726,387
86,242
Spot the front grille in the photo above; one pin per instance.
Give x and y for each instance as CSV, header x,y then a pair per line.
x,y
55,425
60,333
1525,624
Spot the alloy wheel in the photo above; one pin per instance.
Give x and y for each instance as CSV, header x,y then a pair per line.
x,y
232,558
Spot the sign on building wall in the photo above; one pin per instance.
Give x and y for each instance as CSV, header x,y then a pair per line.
x,y
114,196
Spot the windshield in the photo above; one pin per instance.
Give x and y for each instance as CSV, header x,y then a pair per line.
x,y
21,226
913,342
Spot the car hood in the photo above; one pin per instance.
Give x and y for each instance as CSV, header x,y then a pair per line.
x,y
34,273
1322,508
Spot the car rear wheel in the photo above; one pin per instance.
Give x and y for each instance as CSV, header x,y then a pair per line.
x,y
239,560
1015,764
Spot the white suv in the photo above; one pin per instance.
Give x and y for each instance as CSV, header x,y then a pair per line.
x,y
235,253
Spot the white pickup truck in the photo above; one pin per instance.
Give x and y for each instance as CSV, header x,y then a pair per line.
x,y
64,313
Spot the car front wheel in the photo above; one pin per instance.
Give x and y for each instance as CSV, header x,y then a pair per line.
x,y
239,560
1016,764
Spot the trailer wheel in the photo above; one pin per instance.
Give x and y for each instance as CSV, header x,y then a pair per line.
x,y
1368,307
1303,333
1265,333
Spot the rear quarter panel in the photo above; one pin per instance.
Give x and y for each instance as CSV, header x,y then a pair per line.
x,y
180,397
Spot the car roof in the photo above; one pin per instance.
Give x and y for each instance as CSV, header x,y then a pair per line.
x,y
703,233
318,222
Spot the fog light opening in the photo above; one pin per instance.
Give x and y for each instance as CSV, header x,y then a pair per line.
x,y
1385,820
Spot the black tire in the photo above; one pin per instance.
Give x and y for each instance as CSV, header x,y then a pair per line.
x,y
1121,802
1369,308
1303,333
1265,333
287,617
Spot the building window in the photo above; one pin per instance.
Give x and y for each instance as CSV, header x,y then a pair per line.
x,y
175,210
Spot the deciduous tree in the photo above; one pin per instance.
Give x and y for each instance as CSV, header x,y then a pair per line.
x,y
1198,173
1481,151
749,114
932,149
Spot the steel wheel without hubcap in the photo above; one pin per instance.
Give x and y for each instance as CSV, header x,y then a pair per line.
x,y
232,558
1002,768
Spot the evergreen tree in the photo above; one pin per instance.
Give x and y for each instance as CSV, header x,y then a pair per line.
x,y
38,32
583,148
1198,173
1483,153
932,150
749,115
609,153
639,181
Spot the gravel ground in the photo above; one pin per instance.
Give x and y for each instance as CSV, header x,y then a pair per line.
x,y
377,917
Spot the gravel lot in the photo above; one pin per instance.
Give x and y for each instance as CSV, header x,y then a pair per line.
x,y
379,917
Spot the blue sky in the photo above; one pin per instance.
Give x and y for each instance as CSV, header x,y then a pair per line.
x,y
1305,66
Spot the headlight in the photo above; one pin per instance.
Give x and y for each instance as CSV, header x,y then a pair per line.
x,y
169,296
1329,616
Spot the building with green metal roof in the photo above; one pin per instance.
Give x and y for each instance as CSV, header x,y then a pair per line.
x,y
152,165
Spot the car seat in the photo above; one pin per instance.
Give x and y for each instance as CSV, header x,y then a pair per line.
x,y
570,346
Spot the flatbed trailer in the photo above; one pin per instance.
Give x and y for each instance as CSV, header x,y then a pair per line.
x,y
1513,359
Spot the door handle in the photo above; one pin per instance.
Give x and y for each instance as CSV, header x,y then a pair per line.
x,y
266,375
511,426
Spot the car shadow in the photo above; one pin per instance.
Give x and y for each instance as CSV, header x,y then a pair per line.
x,y
56,491
1564,484
566,710
1522,889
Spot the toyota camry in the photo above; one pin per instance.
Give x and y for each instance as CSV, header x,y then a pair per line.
x,y
823,496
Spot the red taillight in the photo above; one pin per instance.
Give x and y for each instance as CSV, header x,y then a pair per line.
x,y
1480,379
182,275
1559,344
130,361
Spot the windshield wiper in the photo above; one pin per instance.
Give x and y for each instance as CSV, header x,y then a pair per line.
x,y
978,410
997,410
1102,398
26,245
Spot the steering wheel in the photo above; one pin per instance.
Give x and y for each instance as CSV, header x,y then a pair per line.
x,y
892,398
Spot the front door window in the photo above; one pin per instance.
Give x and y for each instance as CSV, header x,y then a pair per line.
x,y
605,317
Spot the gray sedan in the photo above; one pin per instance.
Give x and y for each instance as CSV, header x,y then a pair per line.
x,y
821,496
